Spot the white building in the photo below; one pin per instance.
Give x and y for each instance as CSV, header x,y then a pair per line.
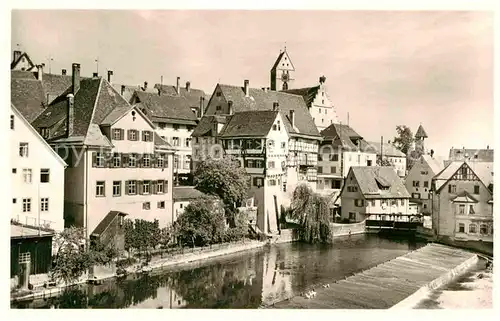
x,y
37,177
116,163
182,196
394,156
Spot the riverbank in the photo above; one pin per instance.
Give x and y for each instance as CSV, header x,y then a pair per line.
x,y
387,284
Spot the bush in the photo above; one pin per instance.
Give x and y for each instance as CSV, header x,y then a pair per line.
x,y
124,263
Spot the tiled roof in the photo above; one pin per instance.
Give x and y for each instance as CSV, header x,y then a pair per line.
x,y
483,170
186,193
160,142
263,100
341,135
128,92
19,74
370,177
483,155
308,93
420,132
192,96
435,163
464,197
278,60
389,150
336,130
163,107
28,97
249,123
106,221
25,55
93,102
206,125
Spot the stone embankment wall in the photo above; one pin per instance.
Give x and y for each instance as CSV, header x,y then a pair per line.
x,y
346,229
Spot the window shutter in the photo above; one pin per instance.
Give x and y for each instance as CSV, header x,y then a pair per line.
x,y
139,187
124,160
143,135
165,160
122,134
449,188
165,186
129,131
126,187
153,187
151,136
108,160
153,160
139,158
94,159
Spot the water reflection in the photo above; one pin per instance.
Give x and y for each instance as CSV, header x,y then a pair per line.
x,y
246,280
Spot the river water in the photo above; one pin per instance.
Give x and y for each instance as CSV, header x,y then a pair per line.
x,y
250,279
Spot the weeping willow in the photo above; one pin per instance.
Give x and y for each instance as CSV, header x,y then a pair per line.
x,y
311,211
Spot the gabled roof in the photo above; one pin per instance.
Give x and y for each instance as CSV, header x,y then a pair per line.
x,y
93,102
483,170
106,222
280,56
483,155
161,143
263,100
307,93
342,135
206,125
23,55
163,107
192,96
183,193
420,132
369,179
464,197
28,97
435,163
128,92
249,124
36,134
388,150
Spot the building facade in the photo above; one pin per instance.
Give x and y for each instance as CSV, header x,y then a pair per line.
x,y
463,201
116,162
37,177
388,152
182,196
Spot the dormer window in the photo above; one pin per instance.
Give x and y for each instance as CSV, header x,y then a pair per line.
x,y
45,132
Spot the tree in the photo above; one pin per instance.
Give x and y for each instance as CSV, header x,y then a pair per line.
x,y
404,140
225,179
142,235
383,162
201,223
311,211
240,229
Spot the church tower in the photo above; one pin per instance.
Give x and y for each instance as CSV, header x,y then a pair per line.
x,y
419,139
281,73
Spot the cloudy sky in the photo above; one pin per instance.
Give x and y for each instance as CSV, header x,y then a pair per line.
x,y
384,68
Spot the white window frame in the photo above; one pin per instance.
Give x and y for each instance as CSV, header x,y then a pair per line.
x,y
117,134
117,186
159,187
99,160
146,160
132,160
146,206
160,204
146,188
160,160
100,189
27,175
26,205
117,156
132,186
44,204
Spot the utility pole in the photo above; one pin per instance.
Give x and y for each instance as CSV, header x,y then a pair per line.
x,y
50,59
97,65
381,148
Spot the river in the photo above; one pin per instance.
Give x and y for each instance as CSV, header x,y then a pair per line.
x,y
250,279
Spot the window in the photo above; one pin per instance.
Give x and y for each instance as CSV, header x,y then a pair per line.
x,y
394,202
476,189
272,182
44,132
99,160
373,202
176,127
270,143
358,203
218,108
188,142
146,206
161,204
14,170
270,164
320,170
425,206
117,160
11,121
416,183
160,161
483,229
147,136
44,175
175,141
452,188
471,209
132,134
99,188
218,94
336,184
26,205
322,120
319,110
44,204
14,201
117,134
159,186
283,145
369,162
257,181
352,188
146,187
117,188
23,149
461,209
165,187
335,157
176,161
162,126
473,228
146,160
132,188
27,175
415,195
426,183
352,216
402,202
132,160
461,228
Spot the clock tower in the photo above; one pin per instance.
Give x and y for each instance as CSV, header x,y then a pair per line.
x,y
281,73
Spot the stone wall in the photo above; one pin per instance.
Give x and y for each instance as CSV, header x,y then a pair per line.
x,y
338,229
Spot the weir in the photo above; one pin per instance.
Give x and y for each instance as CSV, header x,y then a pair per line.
x,y
389,283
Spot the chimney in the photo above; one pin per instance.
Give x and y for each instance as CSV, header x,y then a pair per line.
x,y
292,118
202,106
63,72
39,74
145,86
75,77
71,114
178,88
95,75
322,80
188,86
230,107
247,90
432,152
110,73
122,91
388,142
276,106
17,55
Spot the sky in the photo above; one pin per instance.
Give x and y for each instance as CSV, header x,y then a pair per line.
x,y
384,68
